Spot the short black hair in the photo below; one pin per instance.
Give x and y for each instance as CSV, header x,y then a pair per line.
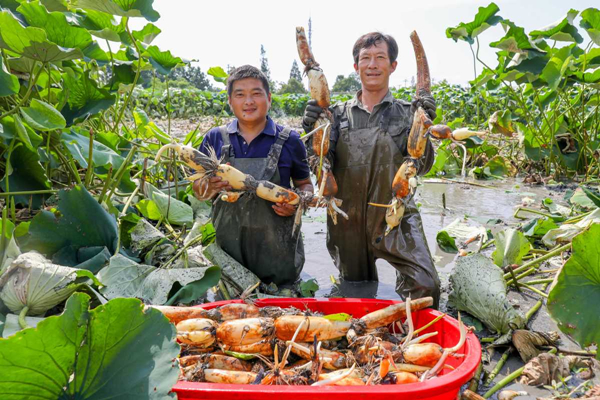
x,y
243,72
371,39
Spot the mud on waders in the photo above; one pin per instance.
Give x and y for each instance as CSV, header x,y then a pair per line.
x,y
370,147
249,230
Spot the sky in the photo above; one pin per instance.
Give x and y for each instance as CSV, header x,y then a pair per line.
x,y
222,33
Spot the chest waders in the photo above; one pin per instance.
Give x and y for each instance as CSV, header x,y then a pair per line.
x,y
250,231
366,160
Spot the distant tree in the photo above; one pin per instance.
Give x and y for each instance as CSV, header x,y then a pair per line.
x,y
193,75
295,72
264,63
347,84
264,67
292,86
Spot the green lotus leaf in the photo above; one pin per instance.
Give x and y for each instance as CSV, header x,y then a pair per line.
x,y
516,41
27,174
588,77
74,228
31,42
538,227
42,116
84,98
573,297
22,132
218,74
175,211
582,200
126,278
118,350
446,242
56,5
58,30
562,31
103,25
500,166
511,247
590,21
123,8
557,66
478,287
163,61
79,144
593,195
9,84
566,232
123,74
147,34
484,19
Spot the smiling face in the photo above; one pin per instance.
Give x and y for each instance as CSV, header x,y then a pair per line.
x,y
249,101
374,67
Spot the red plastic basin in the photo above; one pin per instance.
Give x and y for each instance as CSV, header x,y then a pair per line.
x,y
445,386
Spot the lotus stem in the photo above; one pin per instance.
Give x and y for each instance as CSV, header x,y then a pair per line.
x,y
539,281
121,172
508,380
129,200
464,163
535,307
224,290
535,290
499,366
423,337
532,211
577,218
411,325
433,321
22,321
32,83
28,192
90,168
537,261
474,384
105,188
137,76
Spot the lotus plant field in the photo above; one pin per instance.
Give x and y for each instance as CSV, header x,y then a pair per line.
x,y
100,238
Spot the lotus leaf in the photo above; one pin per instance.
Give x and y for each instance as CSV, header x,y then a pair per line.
x,y
574,297
478,287
118,350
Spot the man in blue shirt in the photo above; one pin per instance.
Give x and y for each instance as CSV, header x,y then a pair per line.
x,y
255,232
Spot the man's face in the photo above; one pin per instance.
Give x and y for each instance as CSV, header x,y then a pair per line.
x,y
374,67
249,100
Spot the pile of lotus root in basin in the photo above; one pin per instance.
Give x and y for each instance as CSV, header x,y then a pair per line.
x,y
243,344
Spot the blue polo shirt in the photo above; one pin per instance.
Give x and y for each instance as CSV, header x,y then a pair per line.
x,y
292,161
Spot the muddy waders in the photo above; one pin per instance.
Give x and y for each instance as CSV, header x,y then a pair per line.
x,y
370,148
250,231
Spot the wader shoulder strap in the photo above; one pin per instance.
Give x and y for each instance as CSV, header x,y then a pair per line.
x,y
226,149
275,152
344,122
384,122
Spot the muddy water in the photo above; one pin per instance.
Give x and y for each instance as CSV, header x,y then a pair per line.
x,y
498,201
